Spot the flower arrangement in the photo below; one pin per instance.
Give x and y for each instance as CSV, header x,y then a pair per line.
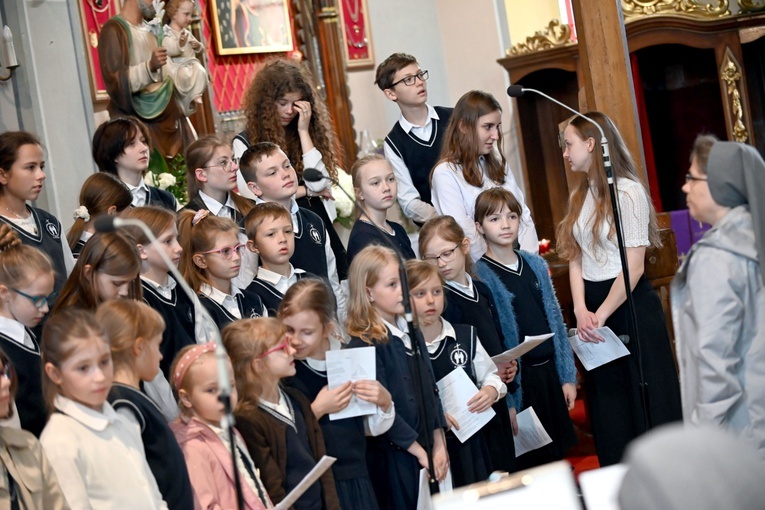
x,y
169,175
344,205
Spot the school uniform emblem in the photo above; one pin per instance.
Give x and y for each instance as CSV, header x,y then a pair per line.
x,y
459,357
254,314
315,235
52,229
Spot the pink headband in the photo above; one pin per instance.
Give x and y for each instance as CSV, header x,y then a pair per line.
x,y
190,357
199,216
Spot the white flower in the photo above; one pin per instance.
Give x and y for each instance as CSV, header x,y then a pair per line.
x,y
165,180
82,212
148,178
343,204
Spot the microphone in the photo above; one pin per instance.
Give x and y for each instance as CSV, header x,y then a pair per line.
x,y
515,91
313,175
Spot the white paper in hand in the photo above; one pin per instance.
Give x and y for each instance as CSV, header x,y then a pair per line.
x,y
455,391
592,355
531,433
519,350
352,365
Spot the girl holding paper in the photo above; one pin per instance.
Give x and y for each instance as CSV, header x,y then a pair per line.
x,y
307,313
587,238
277,424
451,347
521,285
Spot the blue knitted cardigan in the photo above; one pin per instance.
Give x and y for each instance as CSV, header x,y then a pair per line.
x,y
564,357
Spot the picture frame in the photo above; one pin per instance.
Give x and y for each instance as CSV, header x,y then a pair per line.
x,y
94,14
242,27
357,35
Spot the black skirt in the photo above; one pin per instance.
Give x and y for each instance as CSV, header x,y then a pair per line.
x,y
615,402
498,434
470,461
543,391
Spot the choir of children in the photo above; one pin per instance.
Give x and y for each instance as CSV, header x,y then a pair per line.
x,y
266,273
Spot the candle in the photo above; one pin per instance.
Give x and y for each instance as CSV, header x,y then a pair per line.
x,y
10,51
544,246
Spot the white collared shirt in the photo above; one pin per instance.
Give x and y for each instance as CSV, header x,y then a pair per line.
x,y
227,301
165,290
279,282
484,368
18,333
280,407
218,209
85,236
140,193
400,329
468,289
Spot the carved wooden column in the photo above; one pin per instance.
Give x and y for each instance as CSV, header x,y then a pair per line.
x,y
606,74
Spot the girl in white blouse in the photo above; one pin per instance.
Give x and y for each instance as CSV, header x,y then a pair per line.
x,y
587,238
470,163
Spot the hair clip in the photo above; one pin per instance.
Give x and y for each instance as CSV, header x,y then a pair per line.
x,y
199,216
81,212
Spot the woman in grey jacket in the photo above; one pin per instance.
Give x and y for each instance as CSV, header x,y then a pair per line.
x,y
718,304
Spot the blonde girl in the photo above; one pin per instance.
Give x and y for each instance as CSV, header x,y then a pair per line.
x,y
160,290
308,316
211,258
203,439
375,318
134,332
108,267
442,242
277,423
451,347
30,481
375,186
100,194
97,454
26,293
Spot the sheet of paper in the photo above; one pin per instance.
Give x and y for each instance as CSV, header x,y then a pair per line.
x,y
424,500
519,350
324,463
600,487
455,390
352,365
592,355
531,433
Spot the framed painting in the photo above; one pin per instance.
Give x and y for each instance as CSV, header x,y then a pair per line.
x,y
94,14
357,37
251,26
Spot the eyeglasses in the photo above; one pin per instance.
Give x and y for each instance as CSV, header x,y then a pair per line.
x,y
278,347
412,79
446,256
38,301
7,370
227,251
226,164
689,178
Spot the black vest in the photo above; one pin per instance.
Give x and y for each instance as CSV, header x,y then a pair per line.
x,y
196,203
178,312
161,198
455,352
29,396
163,454
420,156
270,296
309,244
250,306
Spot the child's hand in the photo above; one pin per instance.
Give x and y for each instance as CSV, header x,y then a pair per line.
x,y
373,391
440,459
569,393
586,323
183,38
508,373
195,45
482,400
419,453
513,420
451,421
332,401
303,109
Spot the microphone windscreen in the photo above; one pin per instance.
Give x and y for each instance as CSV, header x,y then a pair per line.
x,y
515,91
105,223
312,175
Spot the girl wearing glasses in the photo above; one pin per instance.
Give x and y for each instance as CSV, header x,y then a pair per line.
x,y
26,284
375,186
29,481
473,160
587,238
282,107
211,258
277,423
469,301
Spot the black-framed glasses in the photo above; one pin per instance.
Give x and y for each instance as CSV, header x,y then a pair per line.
x,y
412,79
38,301
446,256
227,251
226,164
689,178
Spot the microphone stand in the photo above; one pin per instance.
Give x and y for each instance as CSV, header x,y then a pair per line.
x,y
109,224
516,91
414,334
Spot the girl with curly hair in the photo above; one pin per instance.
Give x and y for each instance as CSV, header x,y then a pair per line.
x,y
282,107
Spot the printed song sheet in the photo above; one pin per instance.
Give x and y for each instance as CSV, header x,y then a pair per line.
x,y
324,463
519,350
531,433
455,390
352,365
592,355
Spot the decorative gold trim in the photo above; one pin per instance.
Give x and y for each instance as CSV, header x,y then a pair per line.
x,y
730,73
554,35
748,6
716,9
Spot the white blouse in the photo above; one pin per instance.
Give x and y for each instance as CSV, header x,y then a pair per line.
x,y
604,263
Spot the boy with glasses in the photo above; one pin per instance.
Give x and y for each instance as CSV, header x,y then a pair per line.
x,y
414,143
